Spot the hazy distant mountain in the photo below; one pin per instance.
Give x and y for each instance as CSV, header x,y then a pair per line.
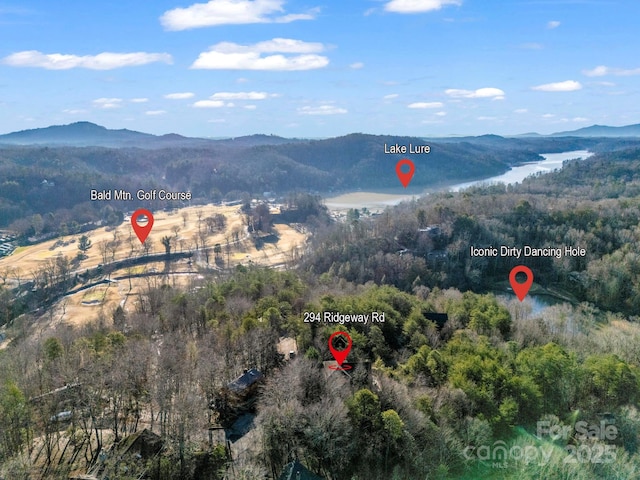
x,y
84,134
594,131
488,140
76,134
528,134
257,140
536,143
602,131
58,178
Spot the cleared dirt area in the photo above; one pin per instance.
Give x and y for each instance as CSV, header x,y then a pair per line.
x,y
371,200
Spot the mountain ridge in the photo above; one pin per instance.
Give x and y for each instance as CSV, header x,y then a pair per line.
x,y
602,131
85,133
89,134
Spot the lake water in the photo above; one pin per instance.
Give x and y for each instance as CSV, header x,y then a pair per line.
x,y
377,200
551,162
537,303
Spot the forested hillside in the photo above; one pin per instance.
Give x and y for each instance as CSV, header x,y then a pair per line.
x,y
492,391
46,188
420,402
592,204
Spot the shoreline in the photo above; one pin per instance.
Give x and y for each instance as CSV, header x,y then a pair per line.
x,y
376,200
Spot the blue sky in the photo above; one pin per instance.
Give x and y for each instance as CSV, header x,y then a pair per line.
x,y
317,69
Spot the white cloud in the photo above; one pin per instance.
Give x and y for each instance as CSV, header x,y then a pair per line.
x,y
599,71
283,45
520,110
241,95
139,100
548,115
356,65
102,61
426,105
566,86
553,24
213,60
180,95
579,119
155,112
617,93
488,92
232,56
250,107
391,96
209,104
441,114
488,119
602,70
74,111
532,46
322,110
418,6
292,17
107,103
229,12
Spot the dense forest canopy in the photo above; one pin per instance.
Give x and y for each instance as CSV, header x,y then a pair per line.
x,y
592,204
421,400
55,182
463,398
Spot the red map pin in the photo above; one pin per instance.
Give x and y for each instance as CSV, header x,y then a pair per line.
x,y
521,289
340,355
405,178
142,231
